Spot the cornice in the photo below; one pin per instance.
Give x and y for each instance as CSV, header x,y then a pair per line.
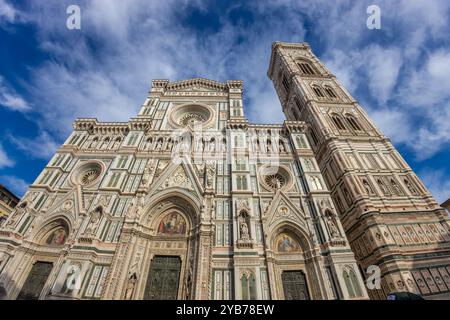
x,y
230,85
93,126
284,45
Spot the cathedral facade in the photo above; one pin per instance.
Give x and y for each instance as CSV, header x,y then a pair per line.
x,y
188,200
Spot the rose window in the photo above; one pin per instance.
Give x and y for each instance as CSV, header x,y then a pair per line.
x,y
273,178
188,115
87,173
275,181
191,118
89,176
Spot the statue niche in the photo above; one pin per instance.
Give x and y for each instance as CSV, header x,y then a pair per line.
x,y
245,239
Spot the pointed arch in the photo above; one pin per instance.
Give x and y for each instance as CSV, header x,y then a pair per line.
x,y
330,92
54,231
353,122
175,199
306,67
318,91
338,121
295,231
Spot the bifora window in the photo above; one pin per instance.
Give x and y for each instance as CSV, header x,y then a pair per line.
x,y
353,123
306,69
318,92
330,92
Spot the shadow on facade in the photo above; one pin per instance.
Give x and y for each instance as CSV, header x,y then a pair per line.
x,y
3,292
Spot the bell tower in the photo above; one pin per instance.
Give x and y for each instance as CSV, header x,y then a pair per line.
x,y
390,218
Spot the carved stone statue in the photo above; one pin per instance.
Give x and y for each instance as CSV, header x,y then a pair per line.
x,y
282,147
169,145
212,146
149,172
131,285
334,231
159,145
244,231
140,205
94,222
210,172
116,143
133,208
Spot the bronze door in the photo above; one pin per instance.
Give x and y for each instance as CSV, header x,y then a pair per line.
x,y
163,279
294,285
35,282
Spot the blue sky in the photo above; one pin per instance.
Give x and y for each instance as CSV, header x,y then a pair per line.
x,y
50,75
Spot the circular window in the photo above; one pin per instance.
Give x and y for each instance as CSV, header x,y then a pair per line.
x,y
191,118
275,181
89,176
189,115
275,178
87,173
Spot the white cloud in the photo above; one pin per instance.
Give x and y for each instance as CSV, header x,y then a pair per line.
x,y
137,41
388,121
7,12
41,147
10,99
377,66
425,95
382,71
5,160
437,183
430,83
16,185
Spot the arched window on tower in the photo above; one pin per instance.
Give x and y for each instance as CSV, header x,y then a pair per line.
x,y
367,187
313,137
353,122
306,69
383,188
285,84
298,104
297,115
338,122
318,92
395,187
330,91
410,187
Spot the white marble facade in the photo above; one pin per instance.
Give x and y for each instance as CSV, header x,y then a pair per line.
x,y
240,210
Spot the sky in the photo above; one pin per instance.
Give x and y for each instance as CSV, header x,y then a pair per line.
x,y
50,75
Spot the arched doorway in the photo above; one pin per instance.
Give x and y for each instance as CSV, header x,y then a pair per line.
x,y
52,235
166,224
165,270
291,265
159,252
